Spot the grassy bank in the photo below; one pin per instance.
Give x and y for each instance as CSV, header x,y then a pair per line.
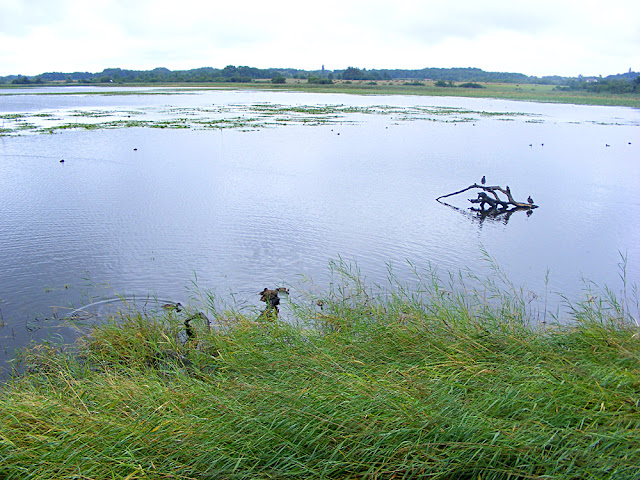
x,y
507,91
414,382
522,92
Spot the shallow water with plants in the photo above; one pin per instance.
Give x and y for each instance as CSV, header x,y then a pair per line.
x,y
166,192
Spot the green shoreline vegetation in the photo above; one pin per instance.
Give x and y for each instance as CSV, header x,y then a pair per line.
x,y
385,382
210,118
506,91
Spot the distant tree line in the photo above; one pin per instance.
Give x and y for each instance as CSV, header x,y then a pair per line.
x,y
612,84
621,83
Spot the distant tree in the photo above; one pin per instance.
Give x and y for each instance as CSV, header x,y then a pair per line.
x,y
278,79
319,81
228,71
21,80
352,73
239,79
470,85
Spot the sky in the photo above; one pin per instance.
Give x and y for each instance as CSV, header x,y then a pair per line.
x,y
543,37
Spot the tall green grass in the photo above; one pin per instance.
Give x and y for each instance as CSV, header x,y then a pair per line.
x,y
436,380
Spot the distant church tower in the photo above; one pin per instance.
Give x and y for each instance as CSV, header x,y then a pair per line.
x,y
322,68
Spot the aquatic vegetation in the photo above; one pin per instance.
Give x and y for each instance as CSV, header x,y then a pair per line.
x,y
262,115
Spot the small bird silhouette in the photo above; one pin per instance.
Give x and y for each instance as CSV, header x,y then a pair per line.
x,y
484,180
62,161
530,200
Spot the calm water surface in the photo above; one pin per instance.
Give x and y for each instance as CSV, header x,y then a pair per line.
x,y
278,198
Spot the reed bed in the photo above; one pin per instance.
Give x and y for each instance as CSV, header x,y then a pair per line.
x,y
394,383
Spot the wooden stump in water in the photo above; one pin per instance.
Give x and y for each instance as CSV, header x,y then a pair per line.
x,y
493,200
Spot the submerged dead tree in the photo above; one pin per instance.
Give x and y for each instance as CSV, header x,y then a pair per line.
x,y
493,200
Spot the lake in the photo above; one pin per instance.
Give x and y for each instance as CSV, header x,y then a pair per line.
x,y
161,191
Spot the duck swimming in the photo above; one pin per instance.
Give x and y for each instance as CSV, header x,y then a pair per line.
x,y
270,297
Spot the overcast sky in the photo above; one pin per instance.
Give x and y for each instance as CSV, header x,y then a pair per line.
x,y
543,37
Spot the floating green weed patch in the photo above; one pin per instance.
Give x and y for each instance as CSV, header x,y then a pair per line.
x,y
262,115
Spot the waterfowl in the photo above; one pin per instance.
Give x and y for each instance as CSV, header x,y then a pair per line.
x,y
62,161
270,297
177,307
282,290
530,200
189,329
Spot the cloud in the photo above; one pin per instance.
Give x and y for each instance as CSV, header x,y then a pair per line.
x,y
19,18
546,37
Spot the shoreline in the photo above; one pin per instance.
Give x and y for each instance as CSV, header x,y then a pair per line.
x,y
418,383
515,92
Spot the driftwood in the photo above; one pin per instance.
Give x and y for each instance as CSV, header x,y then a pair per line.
x,y
490,203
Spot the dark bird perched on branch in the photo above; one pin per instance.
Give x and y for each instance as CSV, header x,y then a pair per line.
x,y
484,180
530,200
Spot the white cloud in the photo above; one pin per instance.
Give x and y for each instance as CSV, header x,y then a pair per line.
x,y
541,38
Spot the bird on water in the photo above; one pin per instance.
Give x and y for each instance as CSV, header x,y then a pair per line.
x,y
173,307
270,297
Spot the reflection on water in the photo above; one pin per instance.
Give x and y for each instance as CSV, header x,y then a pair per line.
x,y
155,212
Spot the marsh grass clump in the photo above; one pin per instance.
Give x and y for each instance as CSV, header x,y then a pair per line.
x,y
423,381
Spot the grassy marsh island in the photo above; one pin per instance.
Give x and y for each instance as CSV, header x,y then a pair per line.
x,y
400,382
507,91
